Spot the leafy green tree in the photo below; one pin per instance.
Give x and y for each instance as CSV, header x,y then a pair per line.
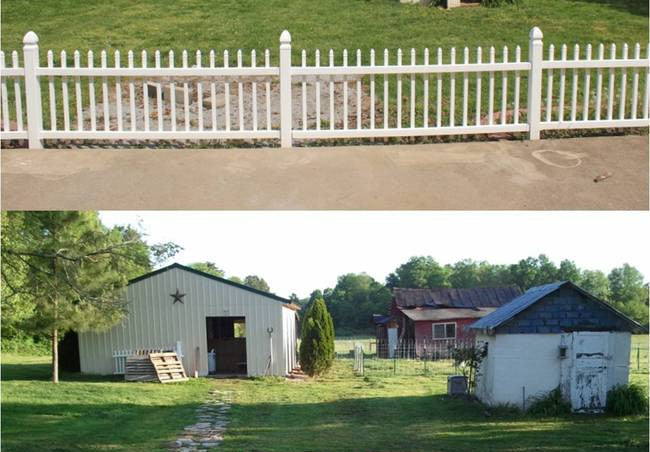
x,y
629,293
419,272
256,282
208,267
70,270
354,299
317,340
596,283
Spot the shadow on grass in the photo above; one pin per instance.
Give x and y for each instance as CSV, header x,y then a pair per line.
x,y
43,372
420,423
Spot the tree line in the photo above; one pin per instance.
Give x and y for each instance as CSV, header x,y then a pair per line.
x,y
356,296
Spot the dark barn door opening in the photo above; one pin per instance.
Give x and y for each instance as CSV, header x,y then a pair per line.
x,y
227,337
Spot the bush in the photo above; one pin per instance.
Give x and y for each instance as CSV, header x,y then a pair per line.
x,y
317,340
26,345
550,404
624,400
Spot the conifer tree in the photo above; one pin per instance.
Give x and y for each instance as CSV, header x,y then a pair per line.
x,y
317,340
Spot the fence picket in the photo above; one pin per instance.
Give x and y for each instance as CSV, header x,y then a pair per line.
x,y
317,89
134,118
452,91
254,90
549,85
145,93
118,93
345,91
199,93
240,92
226,91
586,89
479,78
504,88
267,63
304,91
172,93
611,80
439,92
372,90
358,125
599,82
331,93
646,97
77,92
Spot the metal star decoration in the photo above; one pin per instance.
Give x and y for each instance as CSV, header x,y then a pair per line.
x,y
178,296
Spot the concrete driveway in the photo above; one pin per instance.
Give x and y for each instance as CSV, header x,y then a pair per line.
x,y
578,174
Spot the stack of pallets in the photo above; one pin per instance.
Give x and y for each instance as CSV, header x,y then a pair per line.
x,y
163,367
168,367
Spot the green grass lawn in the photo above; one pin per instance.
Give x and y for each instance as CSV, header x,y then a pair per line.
x,y
338,412
247,24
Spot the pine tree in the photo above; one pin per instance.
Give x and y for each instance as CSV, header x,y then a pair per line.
x,y
317,340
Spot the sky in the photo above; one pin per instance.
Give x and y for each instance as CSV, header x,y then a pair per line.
x,y
299,251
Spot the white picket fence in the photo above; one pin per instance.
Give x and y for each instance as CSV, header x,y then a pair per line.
x,y
119,356
426,95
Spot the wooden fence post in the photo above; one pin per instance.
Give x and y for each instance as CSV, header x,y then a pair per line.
x,y
32,91
535,55
286,122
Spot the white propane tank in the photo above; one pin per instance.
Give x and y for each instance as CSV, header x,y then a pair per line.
x,y
212,362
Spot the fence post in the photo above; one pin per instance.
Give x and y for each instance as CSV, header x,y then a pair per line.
x,y
535,55
286,122
32,91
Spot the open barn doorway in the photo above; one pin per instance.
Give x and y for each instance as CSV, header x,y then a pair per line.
x,y
226,338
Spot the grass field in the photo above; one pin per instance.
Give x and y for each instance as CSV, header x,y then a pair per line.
x,y
338,412
194,24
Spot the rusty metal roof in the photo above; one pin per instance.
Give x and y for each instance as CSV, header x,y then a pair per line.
x,y
478,297
438,314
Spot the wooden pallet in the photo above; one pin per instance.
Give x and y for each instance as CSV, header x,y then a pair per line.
x,y
168,367
139,368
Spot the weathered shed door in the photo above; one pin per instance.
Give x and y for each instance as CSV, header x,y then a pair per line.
x,y
589,371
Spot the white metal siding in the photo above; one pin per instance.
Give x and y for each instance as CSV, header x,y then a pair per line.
x,y
289,339
531,361
153,321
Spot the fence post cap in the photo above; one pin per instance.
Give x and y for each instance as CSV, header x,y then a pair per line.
x,y
536,33
30,38
285,37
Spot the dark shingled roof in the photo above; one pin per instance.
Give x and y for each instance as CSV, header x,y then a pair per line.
x,y
535,294
479,297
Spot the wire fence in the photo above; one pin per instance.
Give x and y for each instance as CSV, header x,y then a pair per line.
x,y
367,358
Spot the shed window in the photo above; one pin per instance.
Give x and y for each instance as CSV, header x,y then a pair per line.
x,y
444,331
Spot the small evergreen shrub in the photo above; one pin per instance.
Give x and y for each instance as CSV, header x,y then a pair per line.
x,y
317,340
550,404
625,400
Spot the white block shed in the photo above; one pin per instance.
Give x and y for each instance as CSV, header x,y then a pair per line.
x,y
251,332
550,336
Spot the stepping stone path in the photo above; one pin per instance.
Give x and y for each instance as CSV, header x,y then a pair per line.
x,y
209,430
